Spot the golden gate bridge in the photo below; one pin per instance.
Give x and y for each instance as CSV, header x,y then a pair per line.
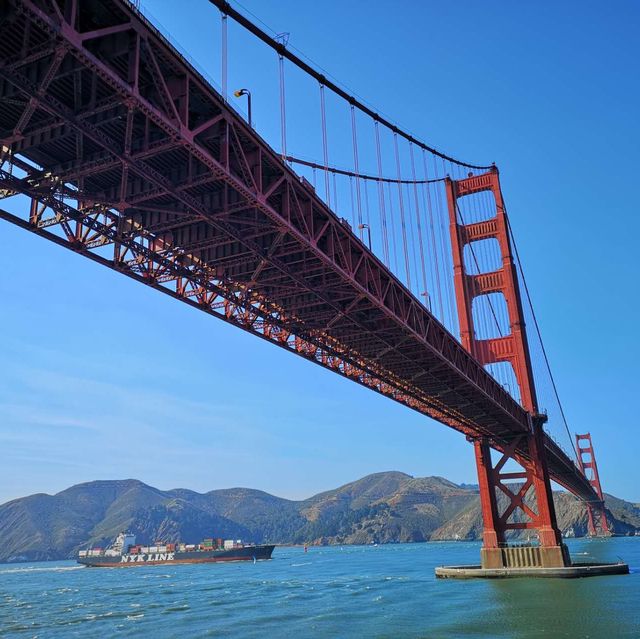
x,y
399,272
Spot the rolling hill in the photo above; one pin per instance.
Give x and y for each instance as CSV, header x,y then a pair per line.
x,y
384,507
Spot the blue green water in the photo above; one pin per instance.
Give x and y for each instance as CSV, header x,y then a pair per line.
x,y
354,591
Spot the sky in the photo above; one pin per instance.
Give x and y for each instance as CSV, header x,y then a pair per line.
x,y
102,378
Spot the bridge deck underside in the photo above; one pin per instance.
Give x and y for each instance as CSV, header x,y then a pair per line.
x,y
115,119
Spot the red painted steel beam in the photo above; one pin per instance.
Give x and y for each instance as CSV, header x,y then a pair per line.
x,y
514,349
596,511
175,273
167,272
183,171
341,247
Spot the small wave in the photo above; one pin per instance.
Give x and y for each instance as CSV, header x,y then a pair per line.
x,y
176,609
305,563
21,628
106,615
7,571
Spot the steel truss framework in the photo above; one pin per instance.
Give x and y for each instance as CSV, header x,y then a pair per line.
x,y
171,187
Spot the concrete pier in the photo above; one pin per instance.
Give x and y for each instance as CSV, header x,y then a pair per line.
x,y
573,571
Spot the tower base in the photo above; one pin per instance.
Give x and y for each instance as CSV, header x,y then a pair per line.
x,y
525,557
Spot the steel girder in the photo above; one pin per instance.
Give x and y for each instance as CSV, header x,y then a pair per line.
x,y
114,117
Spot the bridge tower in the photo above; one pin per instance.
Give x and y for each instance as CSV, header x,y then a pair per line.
x,y
597,516
515,510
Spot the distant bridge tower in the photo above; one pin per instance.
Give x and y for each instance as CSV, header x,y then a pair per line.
x,y
514,349
596,512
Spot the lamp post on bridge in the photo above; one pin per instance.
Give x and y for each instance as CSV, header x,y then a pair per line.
x,y
365,226
239,93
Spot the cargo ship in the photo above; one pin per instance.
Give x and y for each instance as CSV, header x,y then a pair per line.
x,y
124,552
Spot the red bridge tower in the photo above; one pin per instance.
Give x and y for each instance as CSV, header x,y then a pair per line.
x,y
595,510
518,513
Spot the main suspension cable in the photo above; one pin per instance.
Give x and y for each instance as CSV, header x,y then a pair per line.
x,y
535,323
228,10
360,176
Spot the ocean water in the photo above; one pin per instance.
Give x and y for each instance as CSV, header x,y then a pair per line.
x,y
352,591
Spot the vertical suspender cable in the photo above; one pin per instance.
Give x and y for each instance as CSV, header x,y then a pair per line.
x,y
356,167
495,251
402,220
434,246
366,203
383,215
494,260
224,56
450,321
412,236
283,116
353,208
394,237
325,149
446,243
487,253
417,205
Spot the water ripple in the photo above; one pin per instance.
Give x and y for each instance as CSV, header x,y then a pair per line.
x,y
351,592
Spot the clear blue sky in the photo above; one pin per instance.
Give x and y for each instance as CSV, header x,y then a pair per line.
x,y
103,378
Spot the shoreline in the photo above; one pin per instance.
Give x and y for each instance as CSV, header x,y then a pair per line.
x,y
346,545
